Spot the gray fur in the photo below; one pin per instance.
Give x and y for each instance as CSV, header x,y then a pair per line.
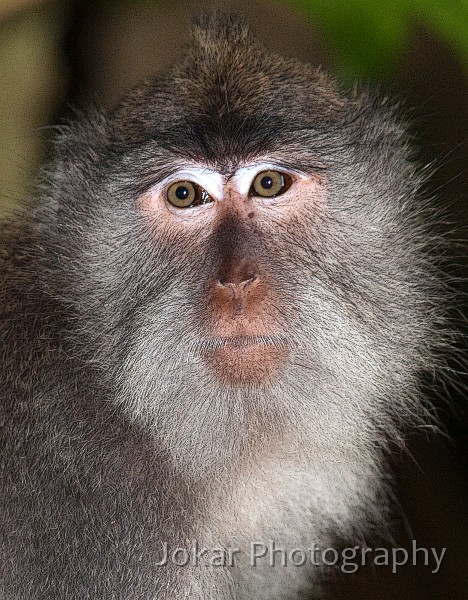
x,y
114,436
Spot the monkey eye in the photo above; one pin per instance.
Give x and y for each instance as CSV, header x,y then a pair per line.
x,y
186,194
270,183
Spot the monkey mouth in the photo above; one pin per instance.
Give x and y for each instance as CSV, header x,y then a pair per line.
x,y
243,341
244,358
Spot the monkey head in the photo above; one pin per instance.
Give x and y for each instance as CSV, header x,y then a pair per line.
x,y
243,253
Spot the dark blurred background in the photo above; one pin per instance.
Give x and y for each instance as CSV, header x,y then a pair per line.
x,y
54,54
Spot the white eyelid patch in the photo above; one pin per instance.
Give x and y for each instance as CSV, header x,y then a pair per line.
x,y
209,180
214,183
245,176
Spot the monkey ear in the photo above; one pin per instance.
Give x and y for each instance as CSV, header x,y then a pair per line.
x,y
79,146
82,136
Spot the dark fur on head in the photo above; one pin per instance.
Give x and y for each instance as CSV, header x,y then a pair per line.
x,y
115,437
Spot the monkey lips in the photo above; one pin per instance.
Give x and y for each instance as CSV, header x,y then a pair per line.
x,y
246,359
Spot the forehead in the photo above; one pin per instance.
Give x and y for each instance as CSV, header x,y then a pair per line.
x,y
227,104
226,147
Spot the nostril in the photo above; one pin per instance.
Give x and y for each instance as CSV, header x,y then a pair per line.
x,y
248,281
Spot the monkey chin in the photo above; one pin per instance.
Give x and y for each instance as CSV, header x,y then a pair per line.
x,y
246,360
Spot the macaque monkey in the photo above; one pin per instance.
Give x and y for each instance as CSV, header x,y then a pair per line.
x,y
213,326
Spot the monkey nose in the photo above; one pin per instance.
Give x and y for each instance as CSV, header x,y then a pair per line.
x,y
237,293
239,286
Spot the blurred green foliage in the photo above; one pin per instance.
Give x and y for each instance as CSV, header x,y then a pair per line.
x,y
367,36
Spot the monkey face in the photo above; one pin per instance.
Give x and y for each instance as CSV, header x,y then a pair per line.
x,y
234,216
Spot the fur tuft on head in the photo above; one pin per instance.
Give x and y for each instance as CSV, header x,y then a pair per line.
x,y
217,27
